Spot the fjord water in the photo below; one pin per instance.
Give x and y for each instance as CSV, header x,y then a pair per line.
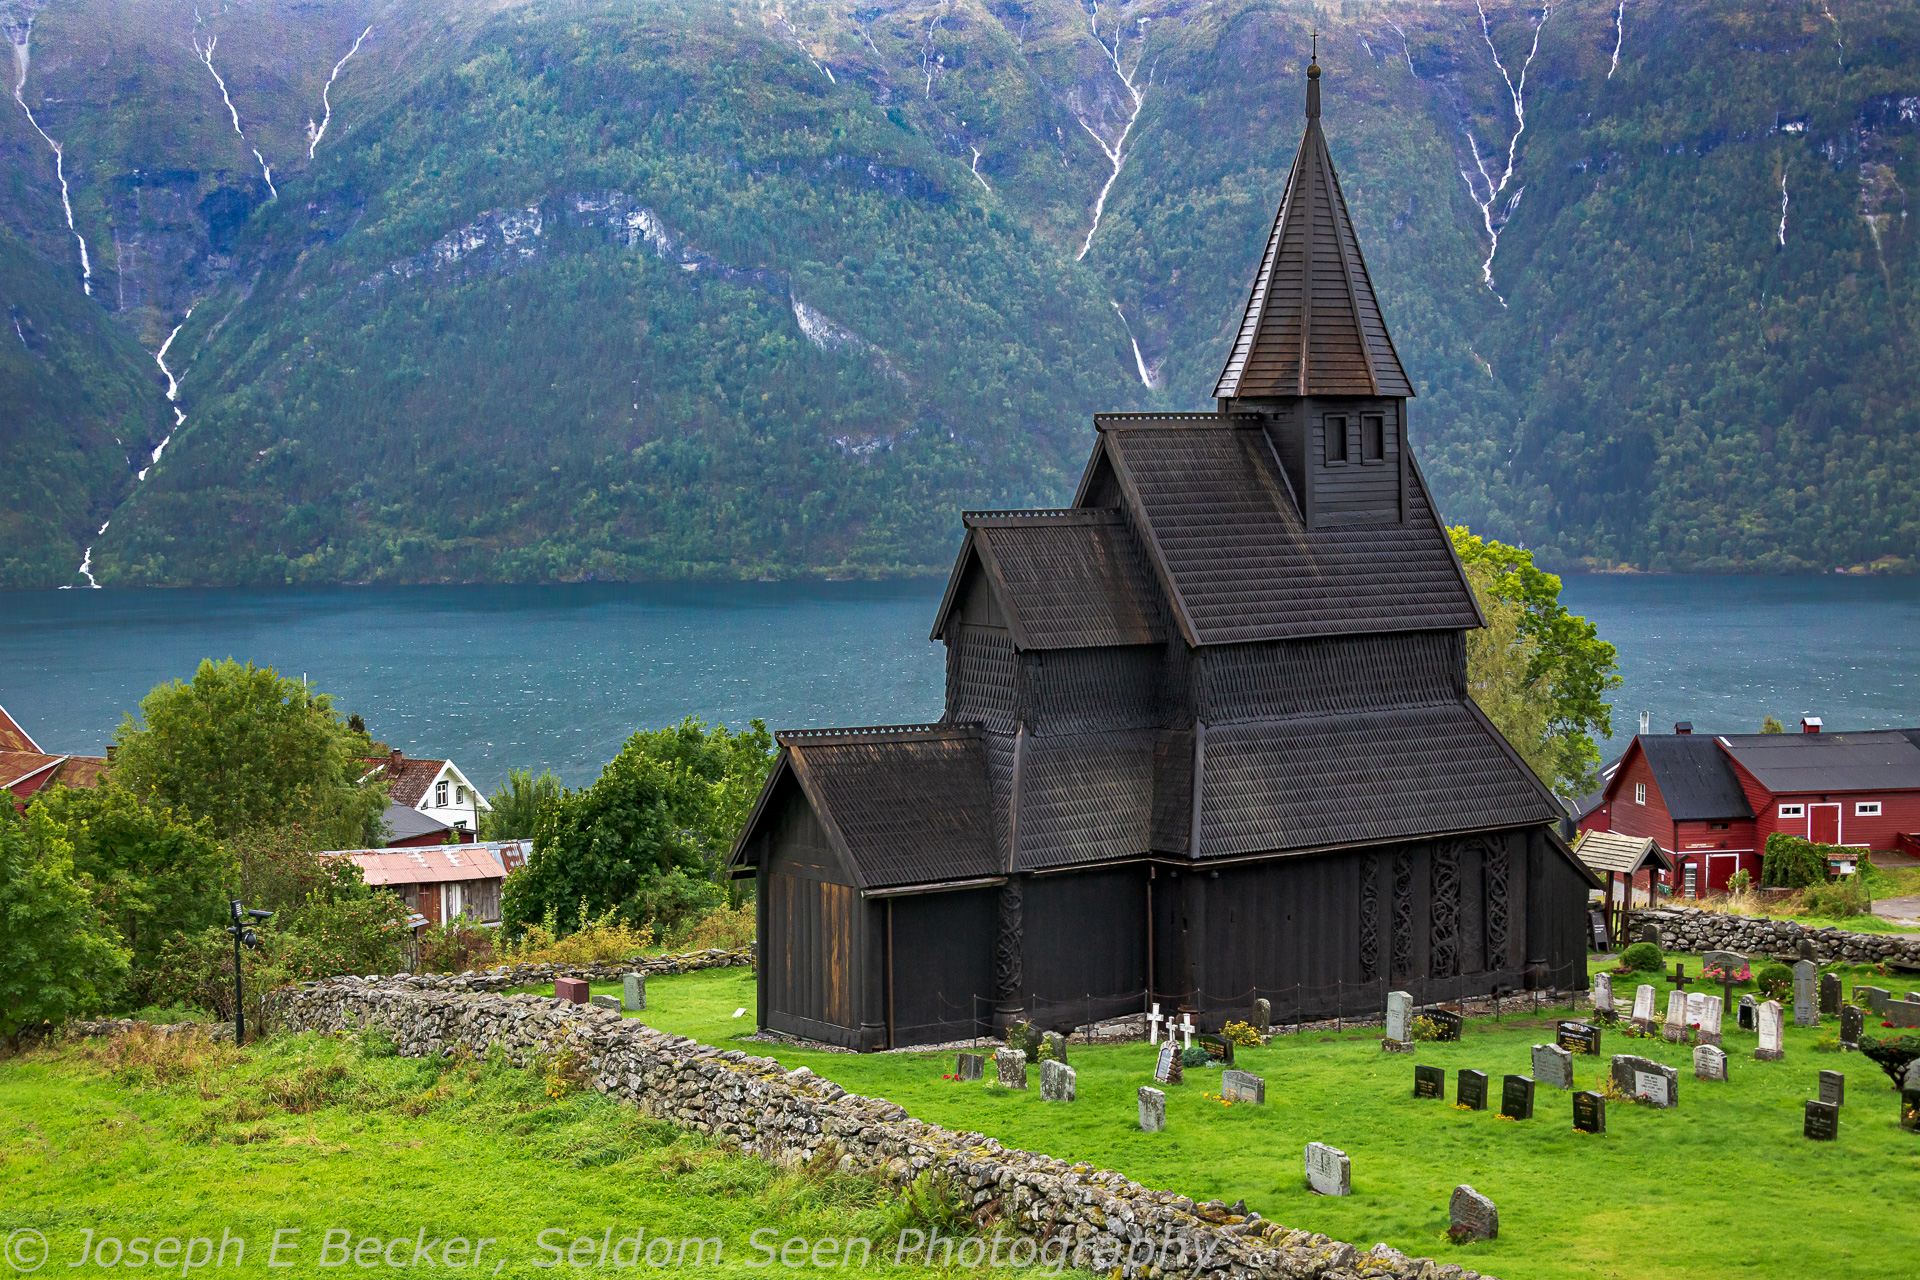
x,y
557,676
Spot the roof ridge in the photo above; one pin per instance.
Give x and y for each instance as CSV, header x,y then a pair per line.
x,y
881,731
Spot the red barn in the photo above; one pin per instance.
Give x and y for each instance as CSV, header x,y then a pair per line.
x,y
1712,800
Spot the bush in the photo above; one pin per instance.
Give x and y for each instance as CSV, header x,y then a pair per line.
x,y
1793,863
1242,1034
726,928
455,947
1194,1056
604,938
1835,901
1740,882
1425,1029
1643,957
1893,1053
1776,981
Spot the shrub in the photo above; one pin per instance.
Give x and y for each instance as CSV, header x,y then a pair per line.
x,y
455,947
1643,957
1425,1029
1194,1056
1835,901
1740,882
1793,863
1242,1034
1776,981
604,938
725,928
1893,1053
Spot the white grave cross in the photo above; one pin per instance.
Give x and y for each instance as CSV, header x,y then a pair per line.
x,y
1186,1030
1154,1020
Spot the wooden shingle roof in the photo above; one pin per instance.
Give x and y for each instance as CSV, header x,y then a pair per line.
x,y
1239,562
1313,325
1611,852
1066,579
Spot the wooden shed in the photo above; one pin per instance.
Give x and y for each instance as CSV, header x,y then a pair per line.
x,y
1617,859
1207,735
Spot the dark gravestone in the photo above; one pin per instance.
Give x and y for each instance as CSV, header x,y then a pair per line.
x,y
1577,1037
1823,1121
1262,1015
1644,1080
1650,933
1471,1216
1875,998
1804,949
1910,1110
1598,923
1516,1097
1429,1082
970,1066
1590,1112
1219,1048
1853,1020
1829,993
1471,1091
1902,1013
1833,1088
1448,1021
1749,1017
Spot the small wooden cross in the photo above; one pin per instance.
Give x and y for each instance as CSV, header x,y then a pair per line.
x,y
1154,1020
1186,1030
1315,36
1679,976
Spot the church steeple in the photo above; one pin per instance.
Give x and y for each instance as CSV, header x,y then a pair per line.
x,y
1313,325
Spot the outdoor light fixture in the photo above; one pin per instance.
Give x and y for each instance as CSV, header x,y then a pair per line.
x,y
243,936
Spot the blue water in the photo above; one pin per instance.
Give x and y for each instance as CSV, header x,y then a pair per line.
x,y
557,677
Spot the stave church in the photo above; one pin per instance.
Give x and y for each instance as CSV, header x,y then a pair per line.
x,y
1207,736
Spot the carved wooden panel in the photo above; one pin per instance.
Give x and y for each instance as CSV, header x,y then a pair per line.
x,y
1402,914
1370,917
1444,951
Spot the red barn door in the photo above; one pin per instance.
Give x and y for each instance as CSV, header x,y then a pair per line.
x,y
1823,823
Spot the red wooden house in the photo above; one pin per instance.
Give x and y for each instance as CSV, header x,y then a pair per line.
x,y
1712,800
25,768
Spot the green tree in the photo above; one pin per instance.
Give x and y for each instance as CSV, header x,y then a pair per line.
x,y
1573,665
516,806
1500,656
58,957
240,747
1772,725
153,874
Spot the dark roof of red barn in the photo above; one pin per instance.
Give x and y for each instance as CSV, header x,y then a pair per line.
x,y
1067,579
1695,780
1789,763
1312,325
1237,560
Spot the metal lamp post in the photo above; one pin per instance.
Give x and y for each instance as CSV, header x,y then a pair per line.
x,y
243,936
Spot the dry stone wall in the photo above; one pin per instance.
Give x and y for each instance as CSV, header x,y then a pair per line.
x,y
1691,929
756,1105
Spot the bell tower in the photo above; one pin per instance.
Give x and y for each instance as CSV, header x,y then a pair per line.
x,y
1313,356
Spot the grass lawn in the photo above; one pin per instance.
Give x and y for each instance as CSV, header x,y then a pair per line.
x,y
312,1135
1725,1185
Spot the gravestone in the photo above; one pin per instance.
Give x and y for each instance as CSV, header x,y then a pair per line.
x,y
1057,1044
1823,1121
572,990
1263,1015
1577,1037
1516,1097
1709,1063
1772,1033
1725,961
1675,1028
1590,1112
1830,993
1449,1022
633,992
1910,1079
1696,1008
1833,1088
1650,932
1243,1086
1806,998
1711,1008
1471,1216
1656,1083
1912,995
1804,949
1153,1110
1748,1015
1602,993
606,1002
1399,1015
1643,1008
1167,1069
1012,1066
1902,1013
970,1066
1853,1020
1056,1082
1219,1048
1329,1172
1875,997
1471,1090
1910,1110
1429,1082
1553,1066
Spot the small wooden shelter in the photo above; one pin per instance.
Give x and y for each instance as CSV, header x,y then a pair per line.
x,y
1617,860
1207,735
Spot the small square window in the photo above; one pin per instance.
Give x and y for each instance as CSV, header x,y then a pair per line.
x,y
1336,432
1793,811
1373,437
1867,809
1639,793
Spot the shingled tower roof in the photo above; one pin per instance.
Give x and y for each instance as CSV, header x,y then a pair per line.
x,y
1313,325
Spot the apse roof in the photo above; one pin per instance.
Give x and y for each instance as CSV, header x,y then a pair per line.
x,y
1066,579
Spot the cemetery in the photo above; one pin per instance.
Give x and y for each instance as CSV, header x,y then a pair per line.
x,y
1560,1202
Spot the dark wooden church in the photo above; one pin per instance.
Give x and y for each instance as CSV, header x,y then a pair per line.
x,y
1207,734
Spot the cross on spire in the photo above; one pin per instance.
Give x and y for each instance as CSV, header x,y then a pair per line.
x,y
1315,37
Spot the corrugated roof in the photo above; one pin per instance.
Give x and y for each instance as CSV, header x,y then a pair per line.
x,y
15,738
1880,760
1694,778
1609,852
1243,564
1313,324
1315,781
38,769
430,864
907,804
1067,579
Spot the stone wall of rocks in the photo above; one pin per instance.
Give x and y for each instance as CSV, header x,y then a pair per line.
x,y
525,975
1691,929
756,1105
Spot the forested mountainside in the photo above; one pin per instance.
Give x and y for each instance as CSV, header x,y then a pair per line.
x,y
570,289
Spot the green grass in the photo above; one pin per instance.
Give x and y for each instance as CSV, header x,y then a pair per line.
x,y
1700,1191
301,1132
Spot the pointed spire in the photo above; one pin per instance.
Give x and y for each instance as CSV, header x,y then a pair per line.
x,y
1313,325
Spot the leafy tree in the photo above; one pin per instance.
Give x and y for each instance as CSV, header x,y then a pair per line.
x,y
1772,725
58,957
516,806
1499,657
1576,667
645,839
240,746
152,873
